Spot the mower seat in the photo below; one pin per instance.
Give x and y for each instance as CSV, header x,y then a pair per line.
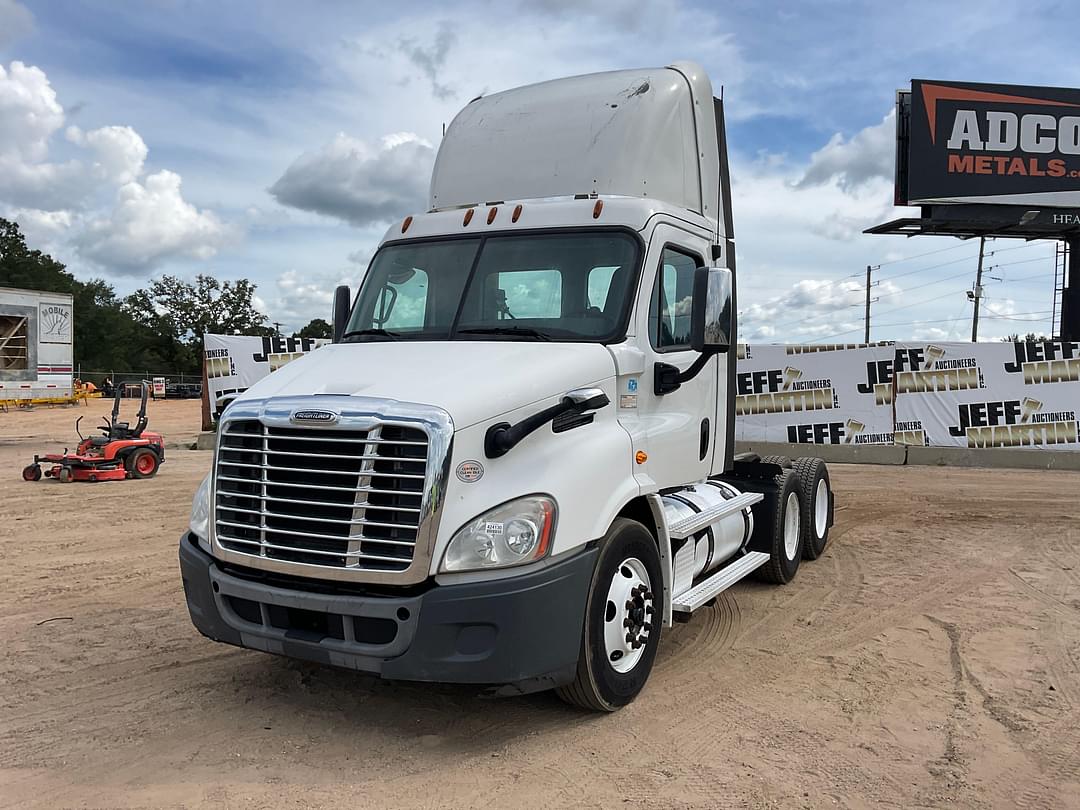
x,y
99,441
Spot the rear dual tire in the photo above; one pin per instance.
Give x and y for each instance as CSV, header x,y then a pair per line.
x,y
784,527
815,489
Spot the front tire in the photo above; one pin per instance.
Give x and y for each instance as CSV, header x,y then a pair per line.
x,y
623,618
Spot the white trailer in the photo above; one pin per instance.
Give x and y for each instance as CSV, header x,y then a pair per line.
x,y
35,345
515,464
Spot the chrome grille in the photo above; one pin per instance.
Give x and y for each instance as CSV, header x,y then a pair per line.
x,y
336,498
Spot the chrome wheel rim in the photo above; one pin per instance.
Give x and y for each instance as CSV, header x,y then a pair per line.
x,y
821,508
791,526
628,615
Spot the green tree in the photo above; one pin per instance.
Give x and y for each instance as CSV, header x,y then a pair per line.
x,y
105,338
155,329
1030,337
183,311
29,269
316,328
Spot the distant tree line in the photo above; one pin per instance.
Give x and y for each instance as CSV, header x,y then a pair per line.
x,y
158,328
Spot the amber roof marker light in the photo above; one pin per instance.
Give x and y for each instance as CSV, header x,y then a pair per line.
x,y
517,214
596,209
491,214
468,217
405,225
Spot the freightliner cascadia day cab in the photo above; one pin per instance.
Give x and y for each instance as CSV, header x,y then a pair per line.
x,y
514,466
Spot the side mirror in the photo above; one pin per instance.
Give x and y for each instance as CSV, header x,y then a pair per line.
x,y
342,306
710,312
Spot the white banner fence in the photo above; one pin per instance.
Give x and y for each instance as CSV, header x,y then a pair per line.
x,y
973,395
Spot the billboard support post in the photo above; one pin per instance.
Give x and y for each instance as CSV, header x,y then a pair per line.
x,y
1070,295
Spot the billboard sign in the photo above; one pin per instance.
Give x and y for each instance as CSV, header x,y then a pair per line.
x,y
964,142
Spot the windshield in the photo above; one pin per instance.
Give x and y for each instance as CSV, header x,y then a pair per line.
x,y
555,286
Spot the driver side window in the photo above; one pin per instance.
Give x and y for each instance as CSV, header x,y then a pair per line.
x,y
669,311
402,303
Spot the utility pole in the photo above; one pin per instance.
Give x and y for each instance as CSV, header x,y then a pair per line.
x,y
866,315
277,327
978,292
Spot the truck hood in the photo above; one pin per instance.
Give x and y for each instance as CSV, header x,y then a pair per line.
x,y
472,380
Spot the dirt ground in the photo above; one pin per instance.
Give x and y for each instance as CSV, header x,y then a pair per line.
x,y
929,659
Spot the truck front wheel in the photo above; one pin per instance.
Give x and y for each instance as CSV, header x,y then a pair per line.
x,y
623,618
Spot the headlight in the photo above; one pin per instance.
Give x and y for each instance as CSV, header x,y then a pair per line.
x,y
515,533
200,510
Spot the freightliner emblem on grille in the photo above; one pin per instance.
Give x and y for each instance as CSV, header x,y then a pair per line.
x,y
322,417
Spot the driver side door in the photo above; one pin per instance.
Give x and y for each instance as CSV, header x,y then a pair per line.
x,y
678,425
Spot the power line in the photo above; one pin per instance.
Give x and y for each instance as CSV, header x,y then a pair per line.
x,y
932,267
923,323
1022,261
921,255
917,303
1027,278
785,299
962,259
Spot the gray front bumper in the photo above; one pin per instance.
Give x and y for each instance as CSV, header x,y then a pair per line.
x,y
523,632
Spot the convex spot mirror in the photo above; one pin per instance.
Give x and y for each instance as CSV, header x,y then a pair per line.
x,y
711,317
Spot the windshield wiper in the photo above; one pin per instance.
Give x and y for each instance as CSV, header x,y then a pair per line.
x,y
520,331
376,332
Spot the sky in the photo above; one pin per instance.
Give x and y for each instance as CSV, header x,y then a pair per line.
x,y
276,141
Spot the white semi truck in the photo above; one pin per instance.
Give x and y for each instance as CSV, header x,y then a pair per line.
x,y
514,466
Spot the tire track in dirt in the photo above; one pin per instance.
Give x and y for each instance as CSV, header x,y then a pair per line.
x,y
708,633
1058,764
865,624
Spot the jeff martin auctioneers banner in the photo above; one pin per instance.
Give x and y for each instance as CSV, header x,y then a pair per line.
x,y
975,395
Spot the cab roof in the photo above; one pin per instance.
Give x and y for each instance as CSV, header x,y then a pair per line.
x,y
648,133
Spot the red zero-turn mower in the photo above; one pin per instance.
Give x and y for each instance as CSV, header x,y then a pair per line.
x,y
123,452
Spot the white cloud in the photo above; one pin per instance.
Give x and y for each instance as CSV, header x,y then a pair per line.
x,y
359,183
151,223
46,186
38,222
29,112
119,152
304,296
58,201
810,308
868,156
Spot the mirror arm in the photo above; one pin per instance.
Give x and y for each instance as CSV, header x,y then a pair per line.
x,y
668,378
500,439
